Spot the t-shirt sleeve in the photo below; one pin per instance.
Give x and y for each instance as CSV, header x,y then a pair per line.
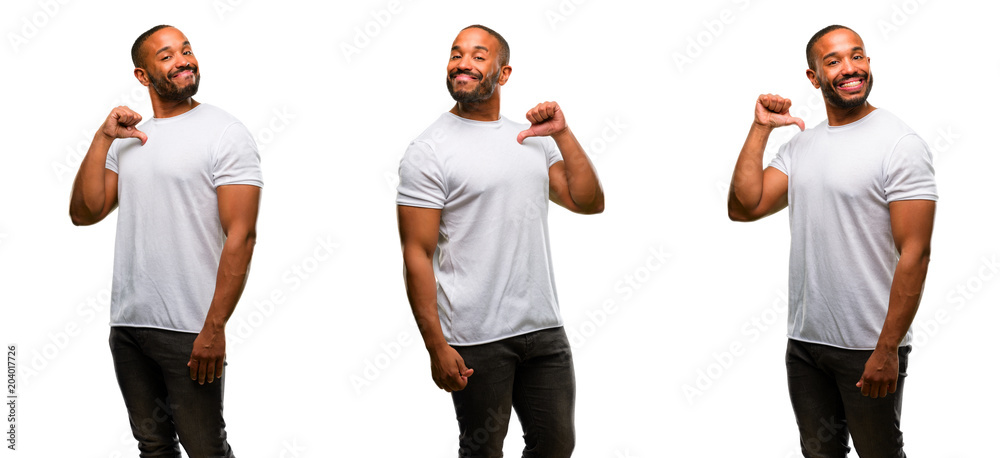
x,y
421,180
551,150
236,160
781,160
111,163
909,171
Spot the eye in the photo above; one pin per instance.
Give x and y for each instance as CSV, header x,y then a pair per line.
x,y
858,57
188,53
833,62
479,58
456,56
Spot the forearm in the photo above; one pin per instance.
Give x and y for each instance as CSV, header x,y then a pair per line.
x,y
234,268
584,187
88,199
904,298
421,292
747,185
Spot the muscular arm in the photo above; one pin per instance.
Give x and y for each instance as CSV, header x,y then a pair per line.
x,y
756,192
418,235
912,222
95,189
573,182
238,206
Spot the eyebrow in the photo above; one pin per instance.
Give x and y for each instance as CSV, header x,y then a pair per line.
x,y
484,48
856,48
186,43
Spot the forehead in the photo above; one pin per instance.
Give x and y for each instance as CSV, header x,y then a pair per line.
x,y
475,37
837,41
165,37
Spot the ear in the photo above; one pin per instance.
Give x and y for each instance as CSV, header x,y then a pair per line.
x,y
140,75
812,78
504,74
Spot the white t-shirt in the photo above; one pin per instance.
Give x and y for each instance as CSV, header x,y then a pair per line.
x,y
840,182
169,237
492,264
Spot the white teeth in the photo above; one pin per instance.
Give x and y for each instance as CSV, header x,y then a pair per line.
x,y
851,84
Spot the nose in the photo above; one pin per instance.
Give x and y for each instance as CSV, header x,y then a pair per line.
x,y
849,67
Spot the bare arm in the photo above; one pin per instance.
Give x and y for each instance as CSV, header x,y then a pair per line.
x,y
756,192
95,189
238,206
418,236
573,182
912,223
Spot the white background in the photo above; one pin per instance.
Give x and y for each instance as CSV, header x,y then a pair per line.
x,y
336,368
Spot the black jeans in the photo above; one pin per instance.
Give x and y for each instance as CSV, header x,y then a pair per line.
x,y
533,373
828,406
163,402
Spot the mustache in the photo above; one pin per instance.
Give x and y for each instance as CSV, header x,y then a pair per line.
x,y
862,75
465,72
192,68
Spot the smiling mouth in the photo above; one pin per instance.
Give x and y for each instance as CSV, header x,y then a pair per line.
x,y
183,73
851,84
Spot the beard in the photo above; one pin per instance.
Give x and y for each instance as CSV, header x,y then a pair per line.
x,y
168,90
483,90
831,95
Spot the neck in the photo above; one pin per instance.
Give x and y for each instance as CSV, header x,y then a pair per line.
x,y
840,116
170,108
487,110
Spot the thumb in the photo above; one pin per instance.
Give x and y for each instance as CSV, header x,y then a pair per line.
x,y
136,133
525,134
859,382
464,371
799,122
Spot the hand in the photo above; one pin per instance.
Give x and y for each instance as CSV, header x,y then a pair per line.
x,y
208,355
448,369
121,124
546,119
881,374
772,111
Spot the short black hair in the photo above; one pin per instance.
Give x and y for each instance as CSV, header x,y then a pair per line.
x,y
810,58
137,46
504,53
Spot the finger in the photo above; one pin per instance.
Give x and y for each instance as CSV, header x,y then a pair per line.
x,y
201,372
193,369
865,388
136,133
883,390
210,371
892,387
523,135
220,364
799,122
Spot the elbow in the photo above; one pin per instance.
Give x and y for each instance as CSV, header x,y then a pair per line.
x,y
80,218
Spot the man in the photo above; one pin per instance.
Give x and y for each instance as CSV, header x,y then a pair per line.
x,y
861,196
472,208
188,186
